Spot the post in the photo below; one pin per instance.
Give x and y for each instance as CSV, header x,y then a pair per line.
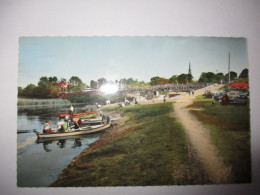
x,y
229,68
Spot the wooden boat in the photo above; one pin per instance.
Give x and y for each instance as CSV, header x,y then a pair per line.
x,y
80,114
80,131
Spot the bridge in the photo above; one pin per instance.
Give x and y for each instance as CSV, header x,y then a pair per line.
x,y
168,87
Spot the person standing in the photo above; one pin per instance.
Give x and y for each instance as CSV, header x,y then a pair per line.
x,y
71,111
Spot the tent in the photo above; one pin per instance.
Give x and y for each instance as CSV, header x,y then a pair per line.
x,y
240,85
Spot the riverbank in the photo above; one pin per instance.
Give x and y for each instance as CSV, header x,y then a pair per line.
x,y
147,147
154,145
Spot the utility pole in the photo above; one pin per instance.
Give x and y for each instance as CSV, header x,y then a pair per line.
x,y
229,68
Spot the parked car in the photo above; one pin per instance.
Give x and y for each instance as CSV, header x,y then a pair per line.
x,y
207,94
218,95
237,97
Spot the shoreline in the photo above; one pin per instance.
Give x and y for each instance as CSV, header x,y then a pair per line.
x,y
117,133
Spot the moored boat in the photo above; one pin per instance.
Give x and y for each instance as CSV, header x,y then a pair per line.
x,y
80,131
80,114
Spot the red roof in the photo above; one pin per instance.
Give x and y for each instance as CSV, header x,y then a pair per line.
x,y
239,85
62,84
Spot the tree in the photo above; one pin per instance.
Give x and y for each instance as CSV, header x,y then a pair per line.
x,y
173,79
190,77
53,91
155,80
20,91
29,90
44,79
42,90
208,77
233,76
101,82
53,80
123,81
130,81
183,78
163,81
219,76
93,84
76,84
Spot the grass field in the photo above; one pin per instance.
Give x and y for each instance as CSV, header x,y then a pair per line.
x,y
229,127
152,148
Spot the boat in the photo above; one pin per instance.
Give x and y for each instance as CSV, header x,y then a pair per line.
x,y
80,131
80,114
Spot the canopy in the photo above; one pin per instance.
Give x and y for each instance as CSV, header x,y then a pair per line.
x,y
239,85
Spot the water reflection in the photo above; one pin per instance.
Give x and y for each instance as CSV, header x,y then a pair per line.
x,y
74,141
50,155
45,146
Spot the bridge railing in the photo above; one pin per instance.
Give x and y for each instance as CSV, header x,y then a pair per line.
x,y
173,87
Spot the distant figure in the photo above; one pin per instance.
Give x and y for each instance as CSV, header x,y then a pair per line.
x,y
193,92
164,99
98,106
136,101
127,102
225,100
105,119
71,111
46,127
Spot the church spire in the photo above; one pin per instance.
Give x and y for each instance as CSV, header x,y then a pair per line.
x,y
189,72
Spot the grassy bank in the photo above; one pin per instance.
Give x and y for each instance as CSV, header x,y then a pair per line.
x,y
230,131
151,147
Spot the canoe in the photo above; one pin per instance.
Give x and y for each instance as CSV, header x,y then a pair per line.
x,y
92,113
81,131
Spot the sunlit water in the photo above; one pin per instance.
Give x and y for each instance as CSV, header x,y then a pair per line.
x,y
40,163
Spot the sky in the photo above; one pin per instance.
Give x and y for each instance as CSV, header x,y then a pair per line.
x,y
113,58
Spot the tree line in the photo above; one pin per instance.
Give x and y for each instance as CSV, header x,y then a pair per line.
x,y
47,86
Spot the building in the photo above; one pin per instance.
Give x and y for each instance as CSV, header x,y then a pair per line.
x,y
189,71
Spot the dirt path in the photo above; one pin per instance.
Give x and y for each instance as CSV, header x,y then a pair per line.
x,y
200,140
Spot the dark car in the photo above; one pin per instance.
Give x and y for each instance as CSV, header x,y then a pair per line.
x,y
207,94
218,95
240,99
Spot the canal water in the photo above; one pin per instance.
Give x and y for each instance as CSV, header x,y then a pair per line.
x,y
40,163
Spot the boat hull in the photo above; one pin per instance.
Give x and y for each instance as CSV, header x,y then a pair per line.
x,y
72,133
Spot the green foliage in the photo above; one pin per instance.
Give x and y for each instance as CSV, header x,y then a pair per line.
x,y
164,92
101,81
173,79
20,91
93,84
155,80
29,90
46,89
184,78
207,77
76,84
233,76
